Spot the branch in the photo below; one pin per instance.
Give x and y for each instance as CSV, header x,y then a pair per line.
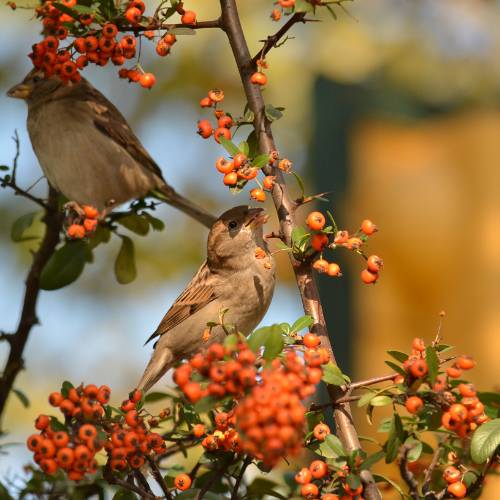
x,y
246,463
406,474
286,213
430,470
53,222
370,381
169,26
158,478
272,40
111,479
216,474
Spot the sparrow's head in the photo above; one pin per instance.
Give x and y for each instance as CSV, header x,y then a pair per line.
x,y
35,86
236,234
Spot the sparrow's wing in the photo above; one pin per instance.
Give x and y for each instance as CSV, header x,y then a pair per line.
x,y
199,292
108,120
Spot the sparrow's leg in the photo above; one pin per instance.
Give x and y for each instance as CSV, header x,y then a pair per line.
x,y
76,207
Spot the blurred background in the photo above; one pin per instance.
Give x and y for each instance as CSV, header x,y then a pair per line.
x,y
394,108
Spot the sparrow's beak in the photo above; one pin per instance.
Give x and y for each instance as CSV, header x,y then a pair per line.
x,y
20,91
256,217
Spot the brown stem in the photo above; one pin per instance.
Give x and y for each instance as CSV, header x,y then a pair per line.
x,y
112,479
371,381
53,224
272,40
244,466
286,214
406,474
430,470
159,478
215,23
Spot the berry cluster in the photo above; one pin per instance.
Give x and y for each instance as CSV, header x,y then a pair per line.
x,y
323,237
84,224
224,120
225,437
319,476
90,427
93,39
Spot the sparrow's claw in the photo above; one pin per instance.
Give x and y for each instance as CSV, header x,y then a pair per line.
x,y
76,207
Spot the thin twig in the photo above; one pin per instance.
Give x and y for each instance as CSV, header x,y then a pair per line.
x,y
159,478
430,470
371,381
216,474
53,223
286,209
272,40
142,481
215,23
406,474
244,466
112,479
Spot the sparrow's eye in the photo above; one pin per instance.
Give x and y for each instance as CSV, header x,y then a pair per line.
x,y
232,224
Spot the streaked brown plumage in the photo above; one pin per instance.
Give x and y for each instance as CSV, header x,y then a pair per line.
x,y
87,150
236,276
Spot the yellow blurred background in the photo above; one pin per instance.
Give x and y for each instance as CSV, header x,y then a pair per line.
x,y
393,107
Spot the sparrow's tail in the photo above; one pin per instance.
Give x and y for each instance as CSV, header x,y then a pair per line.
x,y
158,365
172,197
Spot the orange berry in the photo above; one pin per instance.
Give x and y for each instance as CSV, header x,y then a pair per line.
x,y
311,340
132,418
49,466
334,270
268,182
458,412
109,30
321,265
147,80
76,231
136,462
205,129
60,438
224,166
418,344
458,490
103,394
419,368
136,395
222,132
170,38
351,492
319,241
467,390
353,243
42,422
276,16
453,372
304,476
189,17
451,474
368,227
128,42
198,430
318,469
239,160
82,453
90,212
216,95
33,442
47,448
330,496
67,407
87,431
231,179
368,277
449,422
65,457
258,194
316,221
225,121
321,431
206,102
193,391
309,490
182,482
162,48
414,404
259,78
133,15
90,225
465,362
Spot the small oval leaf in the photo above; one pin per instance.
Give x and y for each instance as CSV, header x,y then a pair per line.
x,y
125,270
65,266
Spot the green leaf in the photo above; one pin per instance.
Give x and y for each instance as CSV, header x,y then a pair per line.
x,y
300,182
297,234
4,493
20,225
381,401
135,223
124,494
379,478
244,147
192,494
369,462
395,367
261,487
260,161
485,441
313,418
432,363
416,448
152,397
395,439
303,6
334,443
125,270
331,11
101,235
64,266
354,481
253,144
156,224
229,146
333,375
301,323
269,337
205,404
272,113
400,356
22,397
366,398
65,387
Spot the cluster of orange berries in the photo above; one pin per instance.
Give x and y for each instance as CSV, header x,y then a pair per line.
x,y
89,428
85,224
463,412
320,239
271,418
224,121
70,447
317,476
96,42
453,477
224,437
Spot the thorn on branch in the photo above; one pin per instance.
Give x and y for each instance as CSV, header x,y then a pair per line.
x,y
7,337
308,199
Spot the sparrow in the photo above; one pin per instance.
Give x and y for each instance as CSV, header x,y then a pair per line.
x,y
87,150
236,280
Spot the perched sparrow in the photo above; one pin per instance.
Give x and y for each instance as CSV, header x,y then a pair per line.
x,y
238,275
86,148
